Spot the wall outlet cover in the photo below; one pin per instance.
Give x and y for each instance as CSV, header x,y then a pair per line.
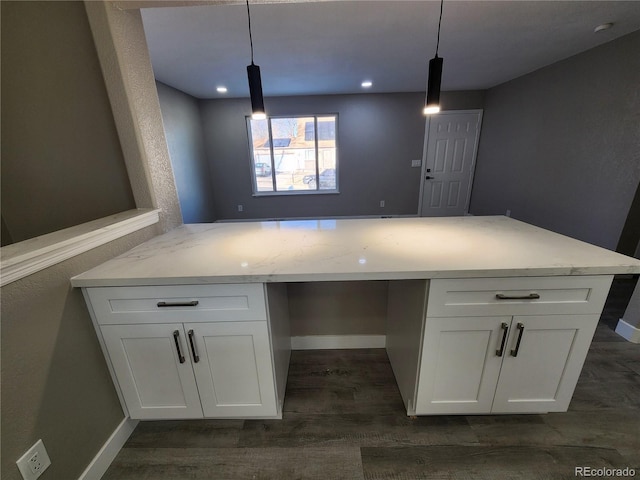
x,y
34,461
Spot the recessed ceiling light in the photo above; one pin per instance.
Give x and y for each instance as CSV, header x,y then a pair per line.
x,y
604,26
366,84
221,89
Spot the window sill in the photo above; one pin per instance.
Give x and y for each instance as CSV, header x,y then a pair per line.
x,y
25,258
296,193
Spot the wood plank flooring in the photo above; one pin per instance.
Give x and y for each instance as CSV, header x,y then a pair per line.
x,y
344,419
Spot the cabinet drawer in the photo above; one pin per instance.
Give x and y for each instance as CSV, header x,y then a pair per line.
x,y
180,303
518,296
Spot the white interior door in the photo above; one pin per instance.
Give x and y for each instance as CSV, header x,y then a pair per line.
x,y
451,146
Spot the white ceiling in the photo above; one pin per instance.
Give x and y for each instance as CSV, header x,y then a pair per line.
x,y
330,47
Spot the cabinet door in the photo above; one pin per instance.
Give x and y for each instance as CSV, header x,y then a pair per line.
x,y
542,374
460,364
152,366
233,367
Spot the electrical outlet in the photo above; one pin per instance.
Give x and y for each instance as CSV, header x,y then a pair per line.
x,y
382,203
508,214
240,208
34,461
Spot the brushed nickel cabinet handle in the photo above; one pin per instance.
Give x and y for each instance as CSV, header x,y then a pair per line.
x,y
531,296
176,338
514,352
505,330
194,350
192,303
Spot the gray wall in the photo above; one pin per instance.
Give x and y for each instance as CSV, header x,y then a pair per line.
x,y
378,136
560,147
338,308
62,164
55,383
183,129
629,243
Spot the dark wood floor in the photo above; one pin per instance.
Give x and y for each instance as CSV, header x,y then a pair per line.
x,y
344,419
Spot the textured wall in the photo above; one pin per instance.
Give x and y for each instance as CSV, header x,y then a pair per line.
x,y
55,382
378,136
560,147
183,129
126,66
61,158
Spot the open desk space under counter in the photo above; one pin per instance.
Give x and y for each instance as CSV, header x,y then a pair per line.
x,y
484,314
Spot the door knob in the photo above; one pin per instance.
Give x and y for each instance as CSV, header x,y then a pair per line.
x,y
428,177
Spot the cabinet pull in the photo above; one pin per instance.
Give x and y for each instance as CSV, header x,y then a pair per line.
x,y
192,303
505,330
514,352
194,351
531,296
176,338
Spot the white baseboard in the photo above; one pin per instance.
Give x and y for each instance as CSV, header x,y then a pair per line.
x,y
331,342
628,332
109,450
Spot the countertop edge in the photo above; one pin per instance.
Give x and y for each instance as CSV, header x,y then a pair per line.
x,y
353,276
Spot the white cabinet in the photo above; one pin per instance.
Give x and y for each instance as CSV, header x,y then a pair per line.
x,y
521,364
459,369
152,370
233,369
493,345
175,371
208,354
541,373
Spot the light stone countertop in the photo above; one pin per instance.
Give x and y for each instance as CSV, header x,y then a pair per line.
x,y
354,249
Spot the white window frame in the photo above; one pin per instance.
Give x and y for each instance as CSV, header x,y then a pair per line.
x,y
317,191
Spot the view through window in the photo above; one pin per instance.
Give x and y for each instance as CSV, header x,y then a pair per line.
x,y
294,154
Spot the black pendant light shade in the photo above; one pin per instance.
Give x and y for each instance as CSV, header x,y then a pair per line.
x,y
255,82
432,102
255,90
433,86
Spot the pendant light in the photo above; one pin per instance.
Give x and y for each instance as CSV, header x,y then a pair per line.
x,y
255,82
432,104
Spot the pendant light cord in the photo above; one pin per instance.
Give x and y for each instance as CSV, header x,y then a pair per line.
x,y
439,23
251,39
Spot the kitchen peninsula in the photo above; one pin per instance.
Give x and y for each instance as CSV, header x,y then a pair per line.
x,y
485,314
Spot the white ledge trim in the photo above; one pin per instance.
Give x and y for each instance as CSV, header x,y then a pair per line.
x,y
25,258
333,342
101,462
627,331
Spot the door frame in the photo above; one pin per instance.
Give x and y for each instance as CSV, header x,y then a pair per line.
x,y
425,144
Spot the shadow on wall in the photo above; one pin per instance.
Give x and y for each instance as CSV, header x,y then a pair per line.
x,y
69,402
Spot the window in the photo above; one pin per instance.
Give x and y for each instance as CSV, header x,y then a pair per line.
x,y
294,154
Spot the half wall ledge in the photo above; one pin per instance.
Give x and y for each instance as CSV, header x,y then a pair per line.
x,y
30,256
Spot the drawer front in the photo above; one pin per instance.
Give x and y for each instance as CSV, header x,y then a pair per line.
x,y
518,296
180,303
